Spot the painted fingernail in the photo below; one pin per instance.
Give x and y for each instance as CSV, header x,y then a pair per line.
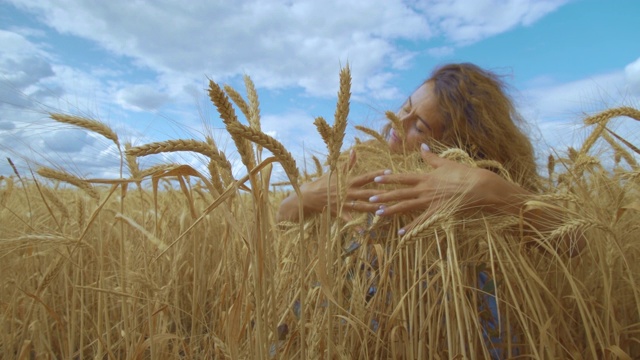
x,y
373,199
380,212
388,172
378,179
425,147
401,232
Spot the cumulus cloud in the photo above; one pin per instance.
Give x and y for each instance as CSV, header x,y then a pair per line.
x,y
281,43
470,21
632,75
141,98
67,141
558,108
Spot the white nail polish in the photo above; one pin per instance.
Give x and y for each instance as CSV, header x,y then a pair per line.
x,y
401,232
425,147
380,212
373,199
388,172
378,179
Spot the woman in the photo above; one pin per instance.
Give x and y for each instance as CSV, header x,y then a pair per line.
x,y
459,106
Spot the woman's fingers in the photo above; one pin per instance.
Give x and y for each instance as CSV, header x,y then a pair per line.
x,y
367,178
395,195
430,158
359,206
399,179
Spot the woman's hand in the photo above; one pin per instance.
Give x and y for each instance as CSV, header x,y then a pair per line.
x,y
449,182
322,193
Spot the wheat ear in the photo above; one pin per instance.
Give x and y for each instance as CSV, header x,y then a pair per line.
x,y
68,178
277,149
611,113
374,134
238,100
228,116
254,103
341,115
176,145
88,124
396,125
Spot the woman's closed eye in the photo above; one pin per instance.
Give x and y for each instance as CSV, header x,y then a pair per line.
x,y
421,126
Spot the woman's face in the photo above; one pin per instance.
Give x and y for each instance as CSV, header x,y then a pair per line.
x,y
421,120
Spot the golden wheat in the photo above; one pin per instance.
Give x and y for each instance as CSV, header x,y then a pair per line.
x,y
376,135
89,124
68,178
254,110
277,149
234,284
228,116
238,100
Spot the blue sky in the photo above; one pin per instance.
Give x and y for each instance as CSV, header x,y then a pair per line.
x,y
142,67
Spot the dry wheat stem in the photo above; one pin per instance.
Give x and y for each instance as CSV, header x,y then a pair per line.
x,y
92,125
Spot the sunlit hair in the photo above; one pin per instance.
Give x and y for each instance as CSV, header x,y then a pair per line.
x,y
479,117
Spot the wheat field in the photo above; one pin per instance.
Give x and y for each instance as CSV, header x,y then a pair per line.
x,y
170,262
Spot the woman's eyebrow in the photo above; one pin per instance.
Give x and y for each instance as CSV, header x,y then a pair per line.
x,y
424,122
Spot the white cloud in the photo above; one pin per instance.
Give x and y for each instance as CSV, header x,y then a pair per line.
x,y
558,109
281,43
440,51
141,97
464,21
632,75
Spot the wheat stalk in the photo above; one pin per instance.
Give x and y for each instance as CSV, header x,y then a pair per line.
x,y
91,125
68,178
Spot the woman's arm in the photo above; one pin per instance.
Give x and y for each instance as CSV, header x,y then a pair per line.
x,y
322,193
473,188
